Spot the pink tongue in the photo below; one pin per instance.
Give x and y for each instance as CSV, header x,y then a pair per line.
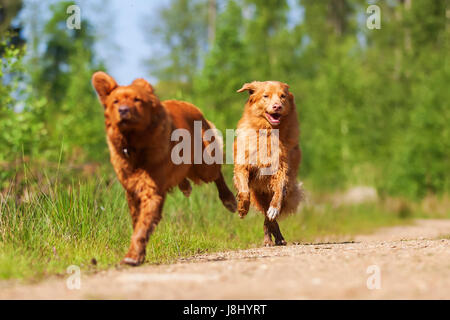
x,y
272,119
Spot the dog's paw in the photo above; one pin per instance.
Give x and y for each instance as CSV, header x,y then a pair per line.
x,y
272,213
230,204
130,261
185,188
243,204
280,242
134,258
243,209
187,192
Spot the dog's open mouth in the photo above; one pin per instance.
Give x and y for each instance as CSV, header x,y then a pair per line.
x,y
274,118
126,121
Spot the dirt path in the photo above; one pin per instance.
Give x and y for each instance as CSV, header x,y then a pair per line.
x,y
413,262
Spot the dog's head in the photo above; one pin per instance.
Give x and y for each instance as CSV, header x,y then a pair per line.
x,y
127,107
270,100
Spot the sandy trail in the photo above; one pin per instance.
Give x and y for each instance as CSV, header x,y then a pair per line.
x,y
413,261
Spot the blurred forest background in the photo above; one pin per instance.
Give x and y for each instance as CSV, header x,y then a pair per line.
x,y
373,104
373,107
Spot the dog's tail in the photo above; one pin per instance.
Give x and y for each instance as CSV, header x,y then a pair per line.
x,y
295,195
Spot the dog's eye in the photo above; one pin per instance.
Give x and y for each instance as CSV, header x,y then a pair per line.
x,y
137,99
283,96
116,101
266,96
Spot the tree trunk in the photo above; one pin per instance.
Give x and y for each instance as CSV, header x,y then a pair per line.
x,y
212,12
337,15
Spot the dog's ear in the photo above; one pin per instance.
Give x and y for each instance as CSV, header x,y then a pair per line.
x,y
143,84
250,87
289,94
291,97
104,84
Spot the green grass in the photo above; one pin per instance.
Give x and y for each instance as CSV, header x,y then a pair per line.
x,y
59,224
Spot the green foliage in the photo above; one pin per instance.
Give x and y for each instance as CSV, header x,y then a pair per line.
x,y
81,116
20,125
73,116
62,44
421,162
9,9
225,69
373,104
181,29
11,65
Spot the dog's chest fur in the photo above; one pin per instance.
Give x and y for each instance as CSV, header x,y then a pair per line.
x,y
131,152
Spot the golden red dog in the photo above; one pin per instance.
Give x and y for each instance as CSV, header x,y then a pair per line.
x,y
139,128
270,106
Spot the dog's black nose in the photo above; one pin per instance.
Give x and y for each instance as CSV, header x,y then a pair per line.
x,y
123,110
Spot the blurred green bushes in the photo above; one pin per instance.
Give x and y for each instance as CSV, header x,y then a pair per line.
x,y
373,104
48,110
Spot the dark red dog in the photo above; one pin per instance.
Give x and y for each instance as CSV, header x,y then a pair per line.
x,y
139,128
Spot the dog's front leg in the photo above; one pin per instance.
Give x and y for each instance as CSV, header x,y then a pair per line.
x,y
278,185
241,176
133,205
150,207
